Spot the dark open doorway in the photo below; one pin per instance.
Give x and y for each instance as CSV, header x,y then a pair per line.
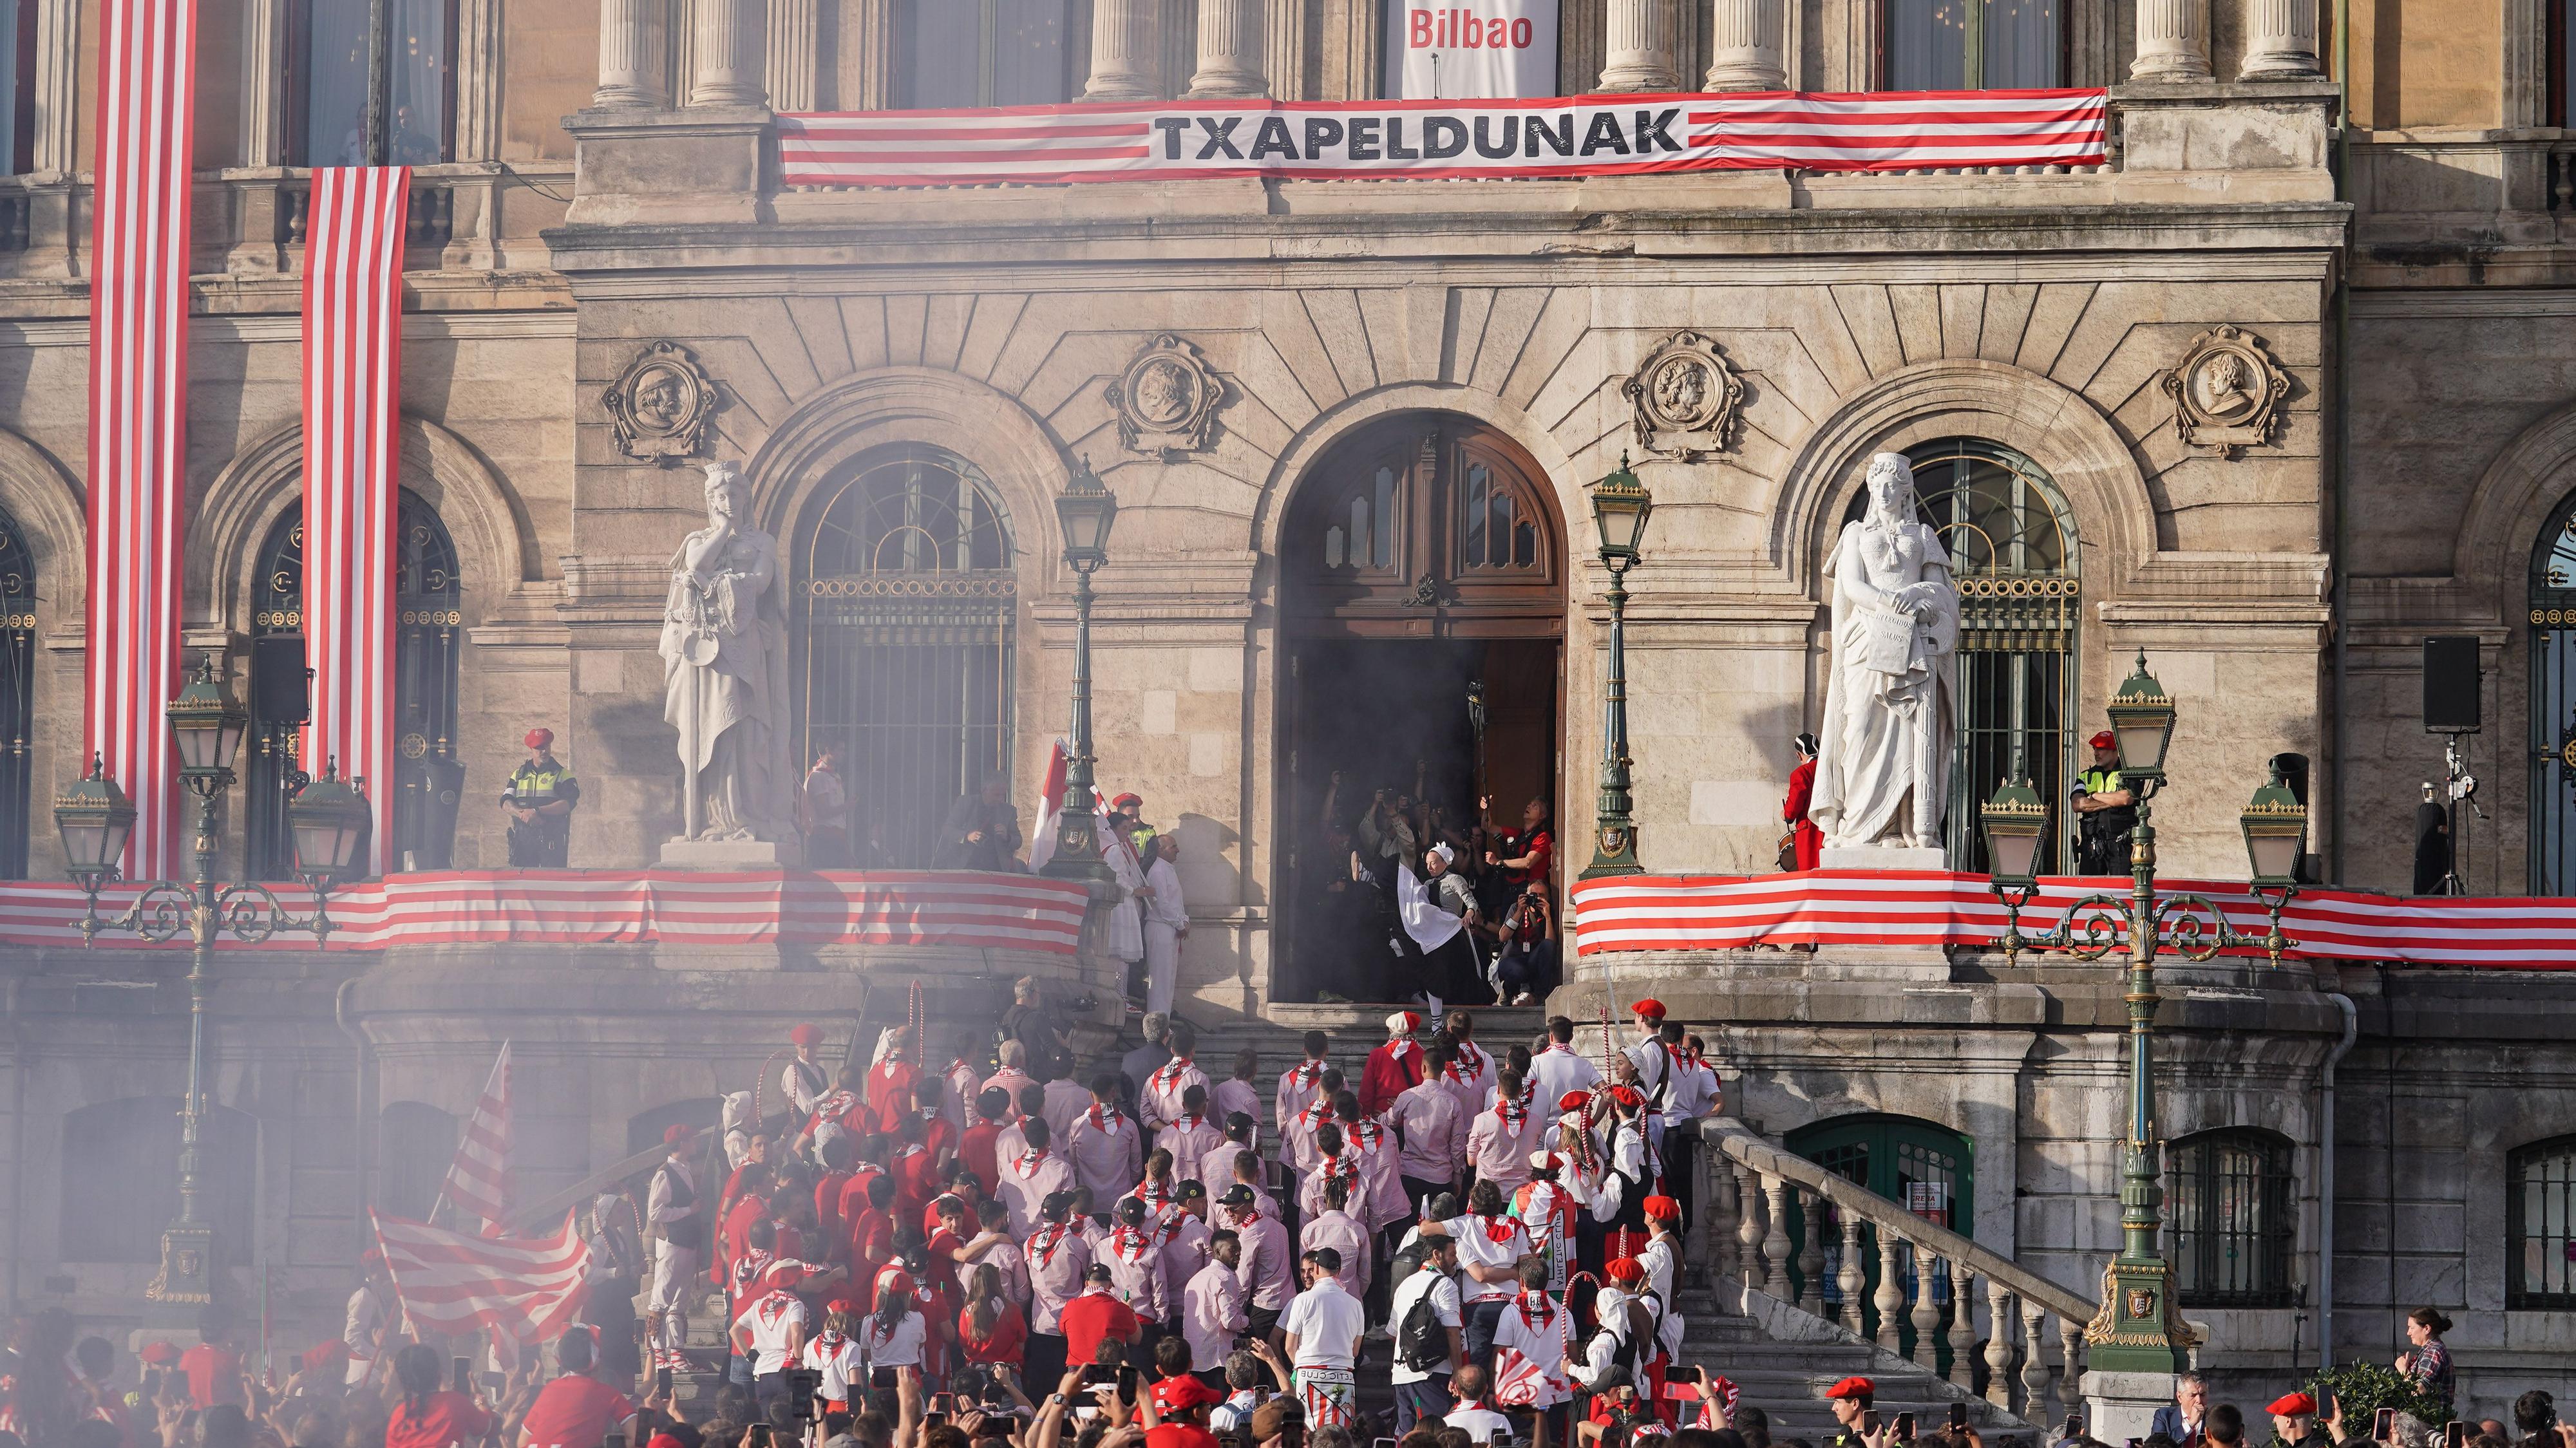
x,y
1424,611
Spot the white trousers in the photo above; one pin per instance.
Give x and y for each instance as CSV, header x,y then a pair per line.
x,y
1162,965
674,1268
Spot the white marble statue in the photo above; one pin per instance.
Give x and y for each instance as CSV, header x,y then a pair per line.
x,y
724,671
1883,769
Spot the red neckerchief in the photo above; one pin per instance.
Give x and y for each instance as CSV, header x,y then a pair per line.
x,y
1545,1313
1106,1125
1170,1074
1119,1240
776,1303
1467,1052
829,1344
1306,1073
909,1149
1028,1162
1188,1124
1344,1168
1046,1239
1498,1228
1152,1193
1312,1114
1363,1134
1512,1112
749,1267
1398,1050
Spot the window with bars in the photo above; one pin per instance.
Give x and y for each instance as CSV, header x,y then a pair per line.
x,y
2540,1225
2553,705
2227,1200
909,605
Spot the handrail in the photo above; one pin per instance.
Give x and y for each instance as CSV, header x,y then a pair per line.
x,y
548,1210
1739,1142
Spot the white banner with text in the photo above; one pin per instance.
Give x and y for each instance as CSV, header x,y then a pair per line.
x,y
1446,50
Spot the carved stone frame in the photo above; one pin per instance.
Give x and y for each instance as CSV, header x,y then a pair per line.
x,y
2242,408
1703,427
680,430
1166,399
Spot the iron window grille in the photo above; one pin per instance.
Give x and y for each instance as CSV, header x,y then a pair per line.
x,y
2540,1225
2227,1198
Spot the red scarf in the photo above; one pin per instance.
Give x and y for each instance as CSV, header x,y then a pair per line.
x,y
1189,1123
1170,1074
827,1346
1542,1314
776,1303
1120,1240
1363,1135
1028,1162
1511,1111
1154,1194
1468,1053
1106,1124
1499,1229
1305,1074
1044,1241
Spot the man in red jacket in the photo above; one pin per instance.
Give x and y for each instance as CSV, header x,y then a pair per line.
x,y
1393,1068
1097,1316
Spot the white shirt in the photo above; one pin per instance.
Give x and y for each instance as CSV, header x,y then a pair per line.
x,y
900,1348
772,1319
1560,1069
1483,1424
1326,1321
1477,1246
1444,1308
1165,908
838,1361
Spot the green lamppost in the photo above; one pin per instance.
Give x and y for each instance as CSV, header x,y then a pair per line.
x,y
328,821
1620,507
1086,509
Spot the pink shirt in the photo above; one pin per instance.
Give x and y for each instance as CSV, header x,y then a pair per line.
x,y
1435,1142
1108,1158
1189,1140
1297,1087
1340,1232
1136,1272
1297,1139
1377,1152
1004,1255
1160,1102
1055,1259
1498,1153
1470,1080
1011,1079
1025,1184
1211,1315
1226,1098
1065,1102
1185,1242
1267,1269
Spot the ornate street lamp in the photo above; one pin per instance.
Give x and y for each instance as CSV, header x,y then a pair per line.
x,y
2015,822
96,820
1086,510
1620,507
2275,825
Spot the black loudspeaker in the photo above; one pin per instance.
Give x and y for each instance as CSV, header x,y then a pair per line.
x,y
2451,684
279,691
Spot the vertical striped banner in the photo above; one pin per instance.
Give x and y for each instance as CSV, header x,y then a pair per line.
x,y
138,408
352,457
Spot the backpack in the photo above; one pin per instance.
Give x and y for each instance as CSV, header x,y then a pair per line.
x,y
1422,1341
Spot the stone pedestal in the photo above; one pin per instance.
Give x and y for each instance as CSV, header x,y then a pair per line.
x,y
731,855
2123,1405
1881,857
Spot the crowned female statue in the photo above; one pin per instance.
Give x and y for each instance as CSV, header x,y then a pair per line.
x,y
1883,768
724,670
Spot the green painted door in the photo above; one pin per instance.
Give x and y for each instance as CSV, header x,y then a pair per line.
x,y
1921,1166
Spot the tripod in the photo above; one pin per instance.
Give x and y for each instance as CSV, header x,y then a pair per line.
x,y
2459,785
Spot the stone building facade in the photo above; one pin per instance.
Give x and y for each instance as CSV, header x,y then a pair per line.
x,y
2371,319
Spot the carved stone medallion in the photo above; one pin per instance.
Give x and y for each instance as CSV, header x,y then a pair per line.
x,y
659,405
1166,399
2227,392
1686,399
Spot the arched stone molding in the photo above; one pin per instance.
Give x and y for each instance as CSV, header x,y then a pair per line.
x,y
53,516
495,539
1333,424
894,405
2057,429
2491,561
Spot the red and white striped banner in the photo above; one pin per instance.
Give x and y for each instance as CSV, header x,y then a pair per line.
x,y
478,1181
524,1289
1555,136
138,408
958,908
352,467
1854,907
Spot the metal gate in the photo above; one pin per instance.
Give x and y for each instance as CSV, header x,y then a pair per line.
x,y
1921,1166
909,607
2553,705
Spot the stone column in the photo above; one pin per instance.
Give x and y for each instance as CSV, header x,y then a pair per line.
x,y
1230,50
732,53
2280,40
794,32
478,79
630,54
2173,41
1122,50
1283,48
1640,54
1744,47
60,76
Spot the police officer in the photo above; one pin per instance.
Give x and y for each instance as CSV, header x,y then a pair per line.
x,y
2106,813
540,802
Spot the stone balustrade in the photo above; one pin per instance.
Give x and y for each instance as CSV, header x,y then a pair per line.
x,y
2034,1351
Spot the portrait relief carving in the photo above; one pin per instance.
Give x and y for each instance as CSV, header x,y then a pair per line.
x,y
659,405
2227,392
1167,399
1685,399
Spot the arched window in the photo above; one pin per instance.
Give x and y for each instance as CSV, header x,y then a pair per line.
x,y
2011,542
427,631
415,1144
908,606
17,693
2540,1225
121,1177
2228,1203
328,55
1972,44
2553,705
957,53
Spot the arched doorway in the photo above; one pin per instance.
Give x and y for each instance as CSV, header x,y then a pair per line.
x,y
1423,618
2553,704
1922,1166
906,608
2011,540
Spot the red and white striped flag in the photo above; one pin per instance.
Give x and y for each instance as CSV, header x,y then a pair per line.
x,y
352,455
523,1289
138,407
478,1182
1050,810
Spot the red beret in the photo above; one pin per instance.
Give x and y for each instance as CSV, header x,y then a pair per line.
x,y
1181,1394
677,1132
1574,1101
1627,1096
2294,1405
1651,1009
840,1304
1852,1388
2105,740
1664,1208
1124,800
541,738
1627,1269
159,1354
807,1034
